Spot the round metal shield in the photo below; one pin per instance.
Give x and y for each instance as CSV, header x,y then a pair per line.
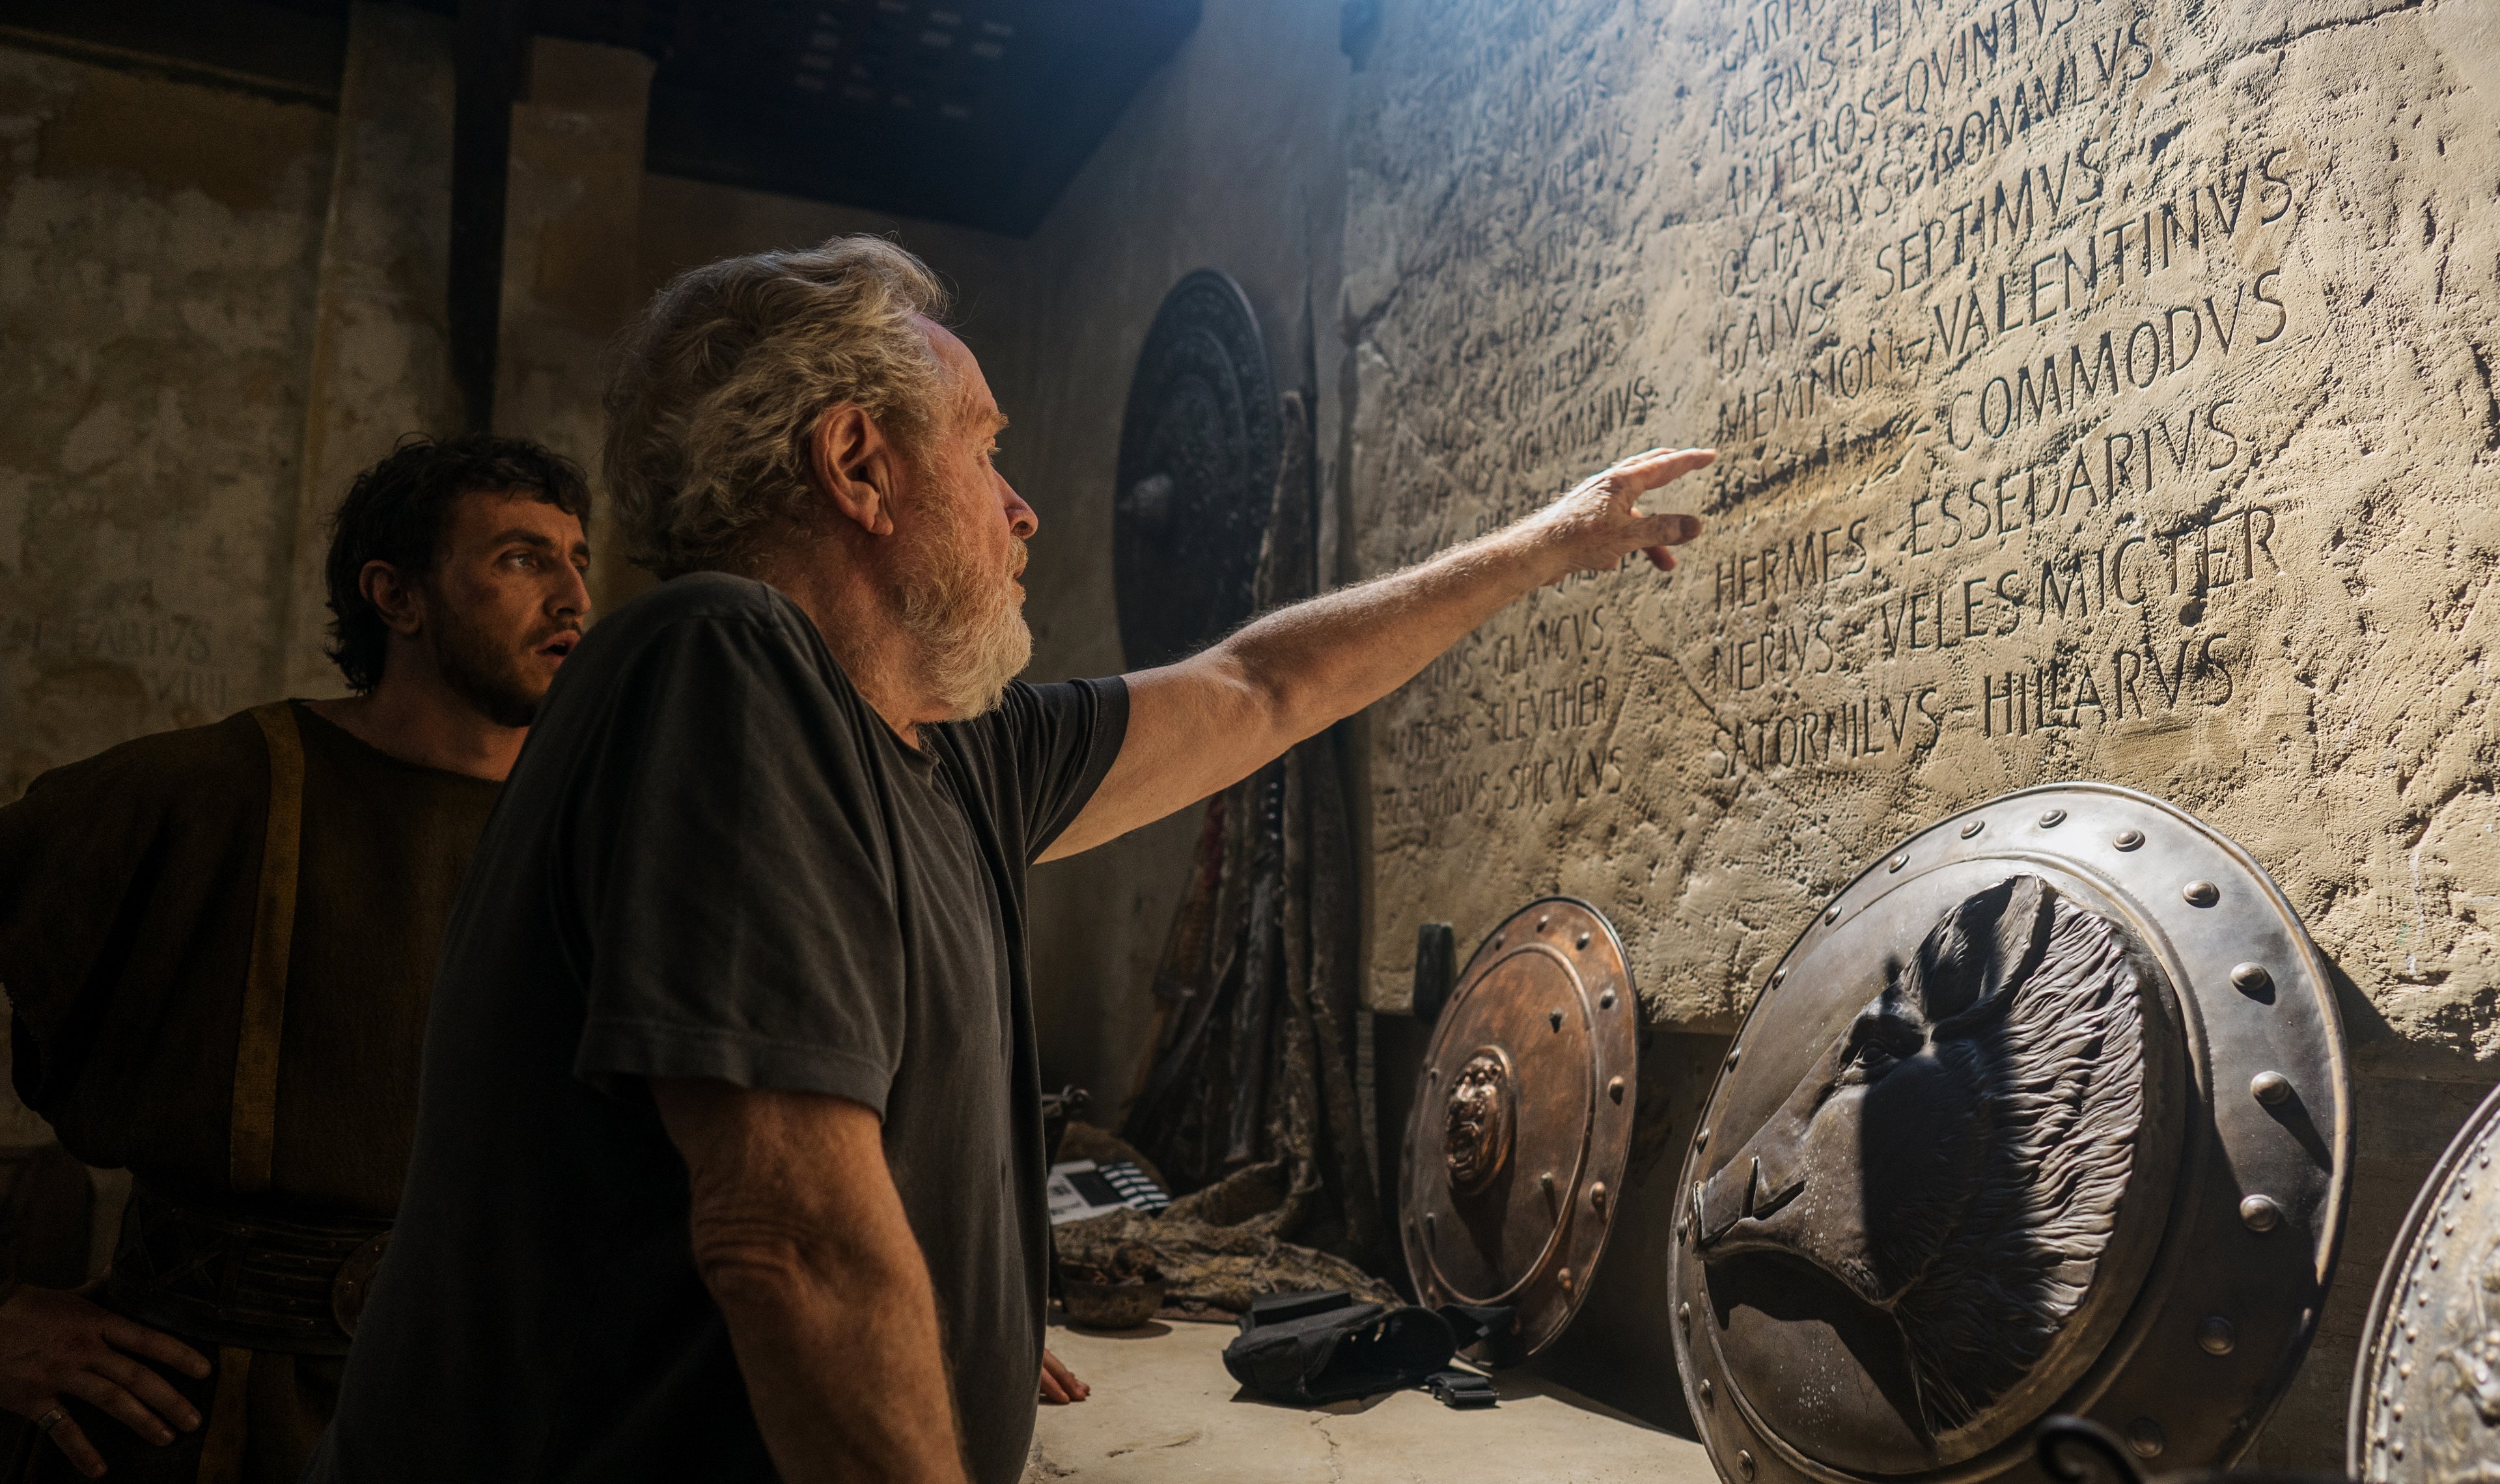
x,y
2046,1112
1514,1155
2426,1392
1199,451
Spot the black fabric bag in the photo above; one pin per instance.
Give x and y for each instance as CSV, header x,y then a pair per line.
x,y
1312,1348
1339,1353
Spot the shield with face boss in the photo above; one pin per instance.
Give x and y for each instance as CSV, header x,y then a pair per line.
x,y
2046,1112
1515,1144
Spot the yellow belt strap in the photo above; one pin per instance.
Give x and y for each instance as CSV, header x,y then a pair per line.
x,y
252,1132
254,1128
221,1451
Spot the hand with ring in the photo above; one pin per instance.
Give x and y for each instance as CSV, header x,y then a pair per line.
x,y
55,1345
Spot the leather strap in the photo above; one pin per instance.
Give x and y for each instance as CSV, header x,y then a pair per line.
x,y
221,1449
254,1132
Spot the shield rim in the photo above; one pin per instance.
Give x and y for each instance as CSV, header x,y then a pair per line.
x,y
2388,1294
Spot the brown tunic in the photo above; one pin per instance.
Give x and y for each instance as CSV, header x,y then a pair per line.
x,y
128,886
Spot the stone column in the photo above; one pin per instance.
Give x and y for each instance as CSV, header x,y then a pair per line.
x,y
572,274
380,361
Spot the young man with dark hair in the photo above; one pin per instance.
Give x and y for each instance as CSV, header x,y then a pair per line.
x,y
219,945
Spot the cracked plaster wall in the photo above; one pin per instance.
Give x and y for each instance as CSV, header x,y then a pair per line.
x,y
157,243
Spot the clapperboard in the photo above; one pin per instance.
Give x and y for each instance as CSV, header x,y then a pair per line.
x,y
1082,1188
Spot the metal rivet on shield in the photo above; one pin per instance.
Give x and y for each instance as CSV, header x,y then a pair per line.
x,y
1683,1317
1615,1088
2252,978
1745,1466
2261,1213
1554,1018
1973,828
1545,1183
1606,999
1897,863
2128,839
1708,1391
2051,819
2214,1336
2201,893
2143,1435
1701,1139
1597,1195
1582,941
1779,975
1542,921
2270,1087
1735,1052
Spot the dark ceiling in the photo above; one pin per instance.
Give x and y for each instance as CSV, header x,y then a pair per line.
x,y
976,111
972,112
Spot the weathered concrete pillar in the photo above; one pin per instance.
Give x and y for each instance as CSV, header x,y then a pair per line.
x,y
380,364
572,274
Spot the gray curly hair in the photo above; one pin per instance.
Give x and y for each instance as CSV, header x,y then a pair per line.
x,y
718,384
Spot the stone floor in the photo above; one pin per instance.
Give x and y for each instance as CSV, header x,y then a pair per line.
x,y
1164,1409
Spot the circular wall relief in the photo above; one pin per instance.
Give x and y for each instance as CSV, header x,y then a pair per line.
x,y
2046,1112
1199,455
1515,1145
2426,1392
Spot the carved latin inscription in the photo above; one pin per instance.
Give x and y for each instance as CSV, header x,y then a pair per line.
x,y
2089,378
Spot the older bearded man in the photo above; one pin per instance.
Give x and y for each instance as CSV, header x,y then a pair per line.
x,y
729,1159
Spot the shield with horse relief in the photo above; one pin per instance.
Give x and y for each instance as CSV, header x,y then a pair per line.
x,y
2045,1111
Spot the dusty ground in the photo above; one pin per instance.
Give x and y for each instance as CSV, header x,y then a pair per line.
x,y
1164,1409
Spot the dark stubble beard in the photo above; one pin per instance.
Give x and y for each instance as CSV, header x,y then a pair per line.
x,y
483,670
968,625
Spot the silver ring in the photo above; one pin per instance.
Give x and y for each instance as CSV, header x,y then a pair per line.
x,y
50,1420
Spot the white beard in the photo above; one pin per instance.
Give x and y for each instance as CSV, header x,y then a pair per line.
x,y
973,637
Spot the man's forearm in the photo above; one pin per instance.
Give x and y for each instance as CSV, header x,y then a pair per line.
x,y
840,1355
1327,658
803,1241
1204,723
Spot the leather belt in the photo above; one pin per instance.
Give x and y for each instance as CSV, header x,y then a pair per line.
x,y
294,1284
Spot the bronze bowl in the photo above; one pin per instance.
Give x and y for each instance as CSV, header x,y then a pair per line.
x,y
1110,1306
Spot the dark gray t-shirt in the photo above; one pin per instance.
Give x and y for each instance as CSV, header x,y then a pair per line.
x,y
713,860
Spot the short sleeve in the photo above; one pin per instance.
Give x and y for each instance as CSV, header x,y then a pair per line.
x,y
1046,748
733,857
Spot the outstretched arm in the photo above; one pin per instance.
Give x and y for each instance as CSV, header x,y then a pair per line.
x,y
1206,722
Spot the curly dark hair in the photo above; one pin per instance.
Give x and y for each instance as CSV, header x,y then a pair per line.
x,y
395,513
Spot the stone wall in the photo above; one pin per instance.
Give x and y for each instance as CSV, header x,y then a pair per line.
x,y
2104,391
158,261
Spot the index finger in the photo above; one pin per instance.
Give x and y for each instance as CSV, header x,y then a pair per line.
x,y
1648,470
154,1345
